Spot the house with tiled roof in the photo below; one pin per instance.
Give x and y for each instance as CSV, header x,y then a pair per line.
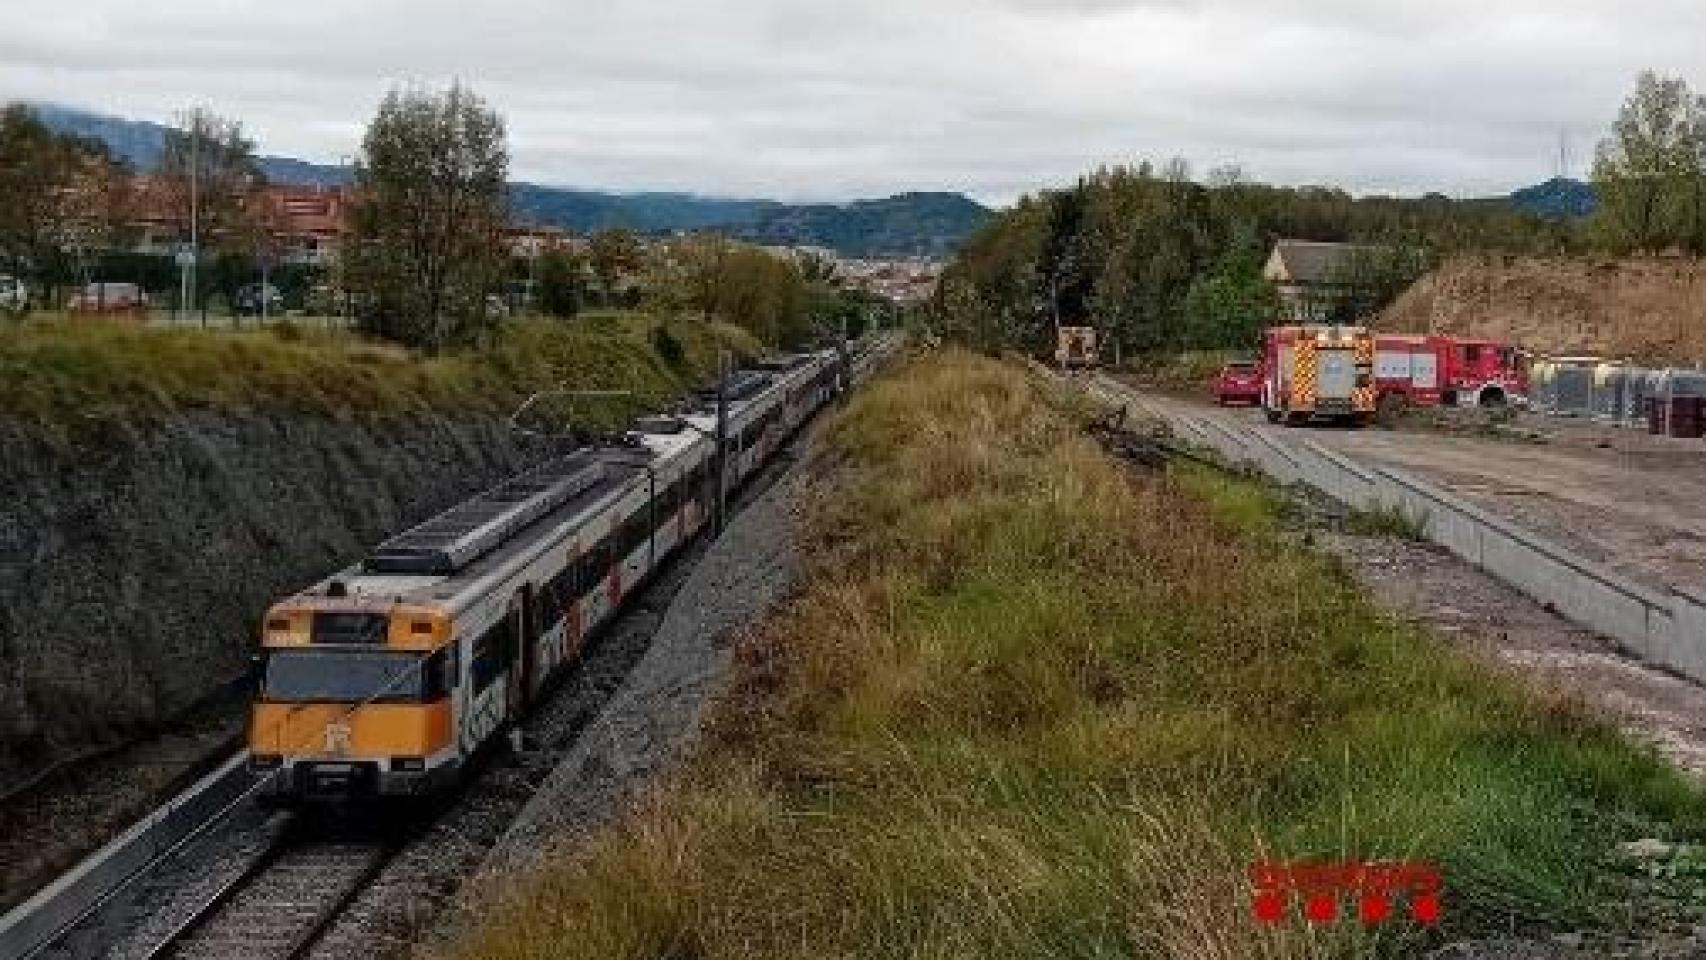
x,y
1310,276
309,223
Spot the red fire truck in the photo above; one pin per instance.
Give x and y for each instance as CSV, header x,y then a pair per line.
x,y
1429,370
1318,372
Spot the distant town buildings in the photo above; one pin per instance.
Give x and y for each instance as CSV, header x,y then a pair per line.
x,y
306,224
309,224
904,280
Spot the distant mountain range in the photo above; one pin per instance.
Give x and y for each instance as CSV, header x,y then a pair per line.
x,y
1559,198
930,224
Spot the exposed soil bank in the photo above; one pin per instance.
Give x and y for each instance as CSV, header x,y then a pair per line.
x,y
1650,309
135,564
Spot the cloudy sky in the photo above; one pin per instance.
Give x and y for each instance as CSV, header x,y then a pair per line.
x,y
820,100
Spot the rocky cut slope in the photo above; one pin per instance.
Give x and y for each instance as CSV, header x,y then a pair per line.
x,y
1646,309
134,576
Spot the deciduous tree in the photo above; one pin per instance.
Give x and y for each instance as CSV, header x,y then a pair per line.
x,y
431,205
562,285
1651,172
615,254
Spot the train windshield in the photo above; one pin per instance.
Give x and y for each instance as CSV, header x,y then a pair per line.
x,y
344,676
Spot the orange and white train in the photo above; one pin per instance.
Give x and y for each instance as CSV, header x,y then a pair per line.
x,y
386,678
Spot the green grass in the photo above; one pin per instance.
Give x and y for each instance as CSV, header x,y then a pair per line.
x,y
1386,521
63,378
1033,705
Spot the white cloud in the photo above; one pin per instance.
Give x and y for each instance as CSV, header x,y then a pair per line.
x,y
780,98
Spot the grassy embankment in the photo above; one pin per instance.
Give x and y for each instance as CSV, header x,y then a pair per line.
x,y
61,378
1032,705
1188,372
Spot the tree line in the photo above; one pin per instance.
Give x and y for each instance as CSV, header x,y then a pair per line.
x,y
1159,260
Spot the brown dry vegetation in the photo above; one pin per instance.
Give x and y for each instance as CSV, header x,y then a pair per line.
x,y
1033,705
1647,309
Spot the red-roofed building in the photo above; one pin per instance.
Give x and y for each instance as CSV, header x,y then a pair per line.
x,y
308,223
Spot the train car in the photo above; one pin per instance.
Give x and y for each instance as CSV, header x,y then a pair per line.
x,y
387,678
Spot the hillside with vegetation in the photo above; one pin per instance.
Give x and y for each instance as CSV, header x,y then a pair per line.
x,y
916,224
1161,262
1031,704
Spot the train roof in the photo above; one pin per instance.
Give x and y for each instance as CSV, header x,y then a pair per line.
x,y
445,560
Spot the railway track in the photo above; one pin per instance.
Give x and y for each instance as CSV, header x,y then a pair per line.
x,y
281,903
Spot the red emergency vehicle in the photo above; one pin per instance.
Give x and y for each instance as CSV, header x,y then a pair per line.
x,y
1318,372
1238,382
1429,370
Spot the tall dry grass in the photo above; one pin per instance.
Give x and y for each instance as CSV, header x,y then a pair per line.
x,y
1032,705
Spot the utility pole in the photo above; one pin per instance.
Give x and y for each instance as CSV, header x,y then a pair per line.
x,y
195,206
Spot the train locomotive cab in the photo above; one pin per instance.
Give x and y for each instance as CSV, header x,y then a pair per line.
x,y
355,701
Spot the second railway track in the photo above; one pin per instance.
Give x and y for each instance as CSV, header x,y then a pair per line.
x,y
280,904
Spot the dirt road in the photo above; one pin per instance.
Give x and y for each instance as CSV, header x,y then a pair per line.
x,y
1631,501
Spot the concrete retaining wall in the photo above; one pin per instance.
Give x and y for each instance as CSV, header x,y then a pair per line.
x,y
1667,629
35,922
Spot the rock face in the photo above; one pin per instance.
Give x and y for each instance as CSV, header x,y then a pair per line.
x,y
1650,309
135,565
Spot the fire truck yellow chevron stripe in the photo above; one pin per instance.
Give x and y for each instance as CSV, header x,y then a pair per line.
x,y
1365,398
1304,382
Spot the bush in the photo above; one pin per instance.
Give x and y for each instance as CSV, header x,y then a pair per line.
x,y
668,347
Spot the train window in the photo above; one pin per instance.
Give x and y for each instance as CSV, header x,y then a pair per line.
x,y
492,653
595,563
350,629
438,676
347,676
635,531
578,577
545,606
